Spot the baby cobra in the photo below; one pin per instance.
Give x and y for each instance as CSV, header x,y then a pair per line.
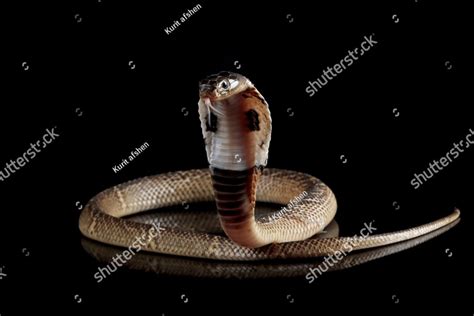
x,y
236,126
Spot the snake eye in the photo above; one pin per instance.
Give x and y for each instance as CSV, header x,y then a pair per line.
x,y
224,84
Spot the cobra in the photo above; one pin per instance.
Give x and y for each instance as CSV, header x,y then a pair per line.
x,y
236,127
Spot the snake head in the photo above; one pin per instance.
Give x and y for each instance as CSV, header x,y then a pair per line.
x,y
222,85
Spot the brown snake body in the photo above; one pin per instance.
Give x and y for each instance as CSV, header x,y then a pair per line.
x,y
236,126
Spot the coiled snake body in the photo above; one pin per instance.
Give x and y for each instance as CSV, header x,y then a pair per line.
x,y
236,127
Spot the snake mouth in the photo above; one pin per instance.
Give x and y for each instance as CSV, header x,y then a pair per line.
x,y
210,108
206,90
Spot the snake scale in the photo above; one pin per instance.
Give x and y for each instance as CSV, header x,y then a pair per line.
x,y
236,126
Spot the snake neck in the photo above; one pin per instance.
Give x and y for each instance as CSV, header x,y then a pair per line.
x,y
236,162
235,194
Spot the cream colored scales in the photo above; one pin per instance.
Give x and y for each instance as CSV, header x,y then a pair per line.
x,y
236,126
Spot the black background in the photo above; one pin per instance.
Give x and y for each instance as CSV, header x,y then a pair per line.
x,y
78,58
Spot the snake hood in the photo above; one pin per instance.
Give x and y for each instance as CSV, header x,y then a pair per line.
x,y
235,122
